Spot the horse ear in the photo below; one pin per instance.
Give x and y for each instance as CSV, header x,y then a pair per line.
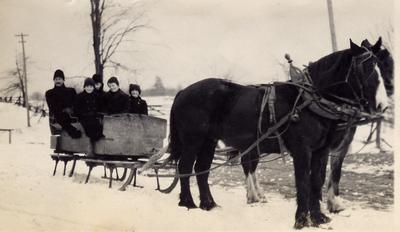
x,y
366,43
377,46
355,49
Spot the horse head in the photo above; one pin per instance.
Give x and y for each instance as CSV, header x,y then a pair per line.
x,y
385,64
368,77
349,76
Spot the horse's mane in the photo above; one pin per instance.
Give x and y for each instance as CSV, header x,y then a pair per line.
x,y
330,68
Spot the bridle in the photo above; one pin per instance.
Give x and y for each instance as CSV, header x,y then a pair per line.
x,y
356,70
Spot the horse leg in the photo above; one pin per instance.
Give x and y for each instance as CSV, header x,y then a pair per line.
x,y
185,166
258,189
318,168
260,193
252,195
203,163
302,176
334,202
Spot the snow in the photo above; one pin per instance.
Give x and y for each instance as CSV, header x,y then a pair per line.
x,y
33,200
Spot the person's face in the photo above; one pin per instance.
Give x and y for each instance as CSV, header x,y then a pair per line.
x,y
135,93
58,81
98,85
113,87
89,88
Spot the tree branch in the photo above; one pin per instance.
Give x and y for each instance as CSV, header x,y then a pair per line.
x,y
119,38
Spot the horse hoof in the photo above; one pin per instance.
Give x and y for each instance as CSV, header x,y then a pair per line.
x,y
335,206
318,219
207,205
263,199
187,204
251,200
335,211
301,222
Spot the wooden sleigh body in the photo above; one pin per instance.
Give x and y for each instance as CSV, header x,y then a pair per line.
x,y
129,141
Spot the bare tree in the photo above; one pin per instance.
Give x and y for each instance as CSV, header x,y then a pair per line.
x,y
16,82
111,25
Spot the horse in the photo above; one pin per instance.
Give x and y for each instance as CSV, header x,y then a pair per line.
x,y
386,69
216,109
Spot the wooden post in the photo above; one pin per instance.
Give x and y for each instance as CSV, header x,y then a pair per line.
x,y
332,25
9,134
378,134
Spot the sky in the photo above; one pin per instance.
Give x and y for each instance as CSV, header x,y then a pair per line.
x,y
187,40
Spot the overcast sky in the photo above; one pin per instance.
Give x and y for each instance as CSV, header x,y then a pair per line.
x,y
189,40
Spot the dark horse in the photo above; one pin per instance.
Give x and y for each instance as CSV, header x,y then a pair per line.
x,y
216,109
386,69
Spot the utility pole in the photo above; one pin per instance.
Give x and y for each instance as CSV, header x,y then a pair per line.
x,y
332,25
25,77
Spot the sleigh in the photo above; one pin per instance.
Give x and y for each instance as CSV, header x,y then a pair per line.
x,y
127,135
129,141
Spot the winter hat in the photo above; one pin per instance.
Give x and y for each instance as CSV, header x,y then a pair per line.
x,y
59,73
113,80
88,81
134,87
97,78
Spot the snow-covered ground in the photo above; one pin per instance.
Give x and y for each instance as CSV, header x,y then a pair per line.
x,y
31,199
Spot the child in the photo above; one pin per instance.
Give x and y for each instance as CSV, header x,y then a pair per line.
x,y
136,104
87,107
115,100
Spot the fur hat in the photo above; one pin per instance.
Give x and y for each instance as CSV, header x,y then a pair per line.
x,y
97,78
59,73
134,87
113,80
88,81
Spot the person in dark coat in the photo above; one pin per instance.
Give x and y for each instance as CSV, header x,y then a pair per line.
x,y
98,84
87,107
115,100
136,104
60,100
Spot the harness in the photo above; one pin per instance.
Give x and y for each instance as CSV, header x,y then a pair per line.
x,y
269,97
345,113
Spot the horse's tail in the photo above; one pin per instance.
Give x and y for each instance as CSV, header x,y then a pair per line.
x,y
175,146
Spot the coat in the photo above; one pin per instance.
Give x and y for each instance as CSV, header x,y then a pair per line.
x,y
100,94
116,102
137,105
86,107
60,101
60,98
